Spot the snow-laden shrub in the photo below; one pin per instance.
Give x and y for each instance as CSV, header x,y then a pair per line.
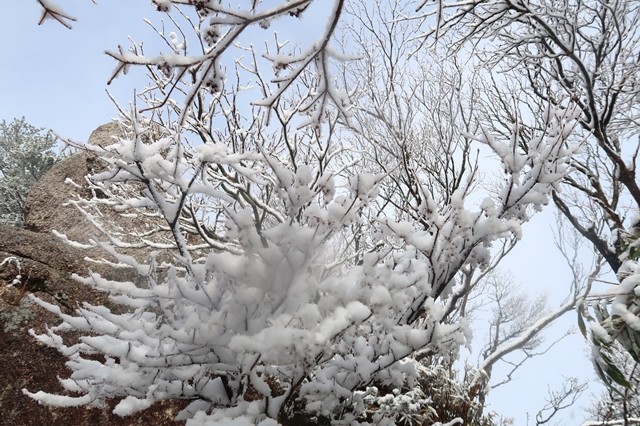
x,y
284,291
438,394
614,318
614,321
274,315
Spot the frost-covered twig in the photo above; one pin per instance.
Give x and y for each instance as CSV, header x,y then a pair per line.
x,y
51,10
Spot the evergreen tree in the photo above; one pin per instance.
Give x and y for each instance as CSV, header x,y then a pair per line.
x,y
26,153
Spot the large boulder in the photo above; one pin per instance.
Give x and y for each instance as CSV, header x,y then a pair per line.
x,y
43,263
47,208
39,264
34,261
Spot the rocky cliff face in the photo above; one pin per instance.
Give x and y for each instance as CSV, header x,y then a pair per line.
x,y
32,260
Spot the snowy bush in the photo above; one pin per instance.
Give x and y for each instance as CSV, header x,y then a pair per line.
x,y
283,291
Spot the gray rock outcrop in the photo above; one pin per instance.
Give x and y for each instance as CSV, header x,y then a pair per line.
x,y
37,262
45,208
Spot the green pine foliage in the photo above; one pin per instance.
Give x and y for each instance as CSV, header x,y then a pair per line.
x,y
26,153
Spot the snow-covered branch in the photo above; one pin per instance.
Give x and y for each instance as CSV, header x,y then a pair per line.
x,y
290,268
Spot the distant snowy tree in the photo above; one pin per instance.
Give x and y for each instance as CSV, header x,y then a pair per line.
x,y
301,281
26,154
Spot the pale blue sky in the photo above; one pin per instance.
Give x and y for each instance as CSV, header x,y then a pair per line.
x,y
56,78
